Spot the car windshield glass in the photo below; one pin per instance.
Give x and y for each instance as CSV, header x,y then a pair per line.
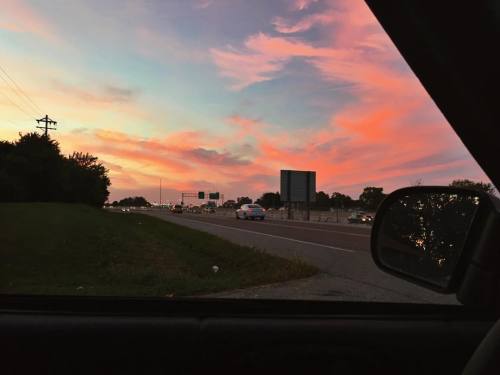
x,y
133,132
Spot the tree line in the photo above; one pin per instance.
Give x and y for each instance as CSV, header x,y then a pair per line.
x,y
33,169
369,199
131,202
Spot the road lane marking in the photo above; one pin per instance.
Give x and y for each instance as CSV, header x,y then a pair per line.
x,y
268,223
318,230
273,236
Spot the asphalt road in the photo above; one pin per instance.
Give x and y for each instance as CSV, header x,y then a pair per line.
x,y
341,252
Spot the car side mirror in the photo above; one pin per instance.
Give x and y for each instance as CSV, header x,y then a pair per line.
x,y
443,238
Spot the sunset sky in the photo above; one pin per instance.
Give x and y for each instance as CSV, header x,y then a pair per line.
x,y
219,95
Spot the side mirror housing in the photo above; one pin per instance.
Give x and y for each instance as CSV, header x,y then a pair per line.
x,y
443,238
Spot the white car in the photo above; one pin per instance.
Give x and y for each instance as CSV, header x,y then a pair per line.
x,y
250,211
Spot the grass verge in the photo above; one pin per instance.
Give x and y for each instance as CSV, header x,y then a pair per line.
x,y
48,248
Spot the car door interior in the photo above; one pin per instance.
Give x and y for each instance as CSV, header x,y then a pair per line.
x,y
448,44
115,336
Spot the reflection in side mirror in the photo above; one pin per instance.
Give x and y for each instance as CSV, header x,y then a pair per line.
x,y
423,234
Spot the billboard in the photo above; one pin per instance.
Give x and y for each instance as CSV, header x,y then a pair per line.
x,y
298,186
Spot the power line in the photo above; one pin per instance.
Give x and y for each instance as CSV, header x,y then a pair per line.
x,y
18,125
20,92
17,106
11,122
29,107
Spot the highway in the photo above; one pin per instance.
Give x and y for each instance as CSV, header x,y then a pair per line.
x,y
340,251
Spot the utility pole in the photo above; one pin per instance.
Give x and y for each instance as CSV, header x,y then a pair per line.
x,y
47,122
160,192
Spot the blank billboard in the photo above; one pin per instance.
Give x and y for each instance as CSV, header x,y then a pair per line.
x,y
295,186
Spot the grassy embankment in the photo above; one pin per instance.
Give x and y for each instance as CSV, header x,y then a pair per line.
x,y
79,250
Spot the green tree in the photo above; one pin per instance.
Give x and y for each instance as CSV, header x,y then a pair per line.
x,y
371,197
339,200
133,202
268,200
86,180
32,169
322,201
481,186
243,200
230,203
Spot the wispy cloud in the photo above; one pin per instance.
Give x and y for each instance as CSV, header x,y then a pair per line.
x,y
103,94
163,46
261,59
245,69
202,4
17,16
213,157
284,26
302,4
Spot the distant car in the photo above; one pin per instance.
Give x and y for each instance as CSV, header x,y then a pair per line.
x,y
359,218
176,209
250,211
209,209
195,210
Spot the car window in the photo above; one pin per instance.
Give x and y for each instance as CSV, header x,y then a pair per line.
x,y
116,114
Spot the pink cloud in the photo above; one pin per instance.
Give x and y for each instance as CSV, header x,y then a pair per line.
x,y
356,44
245,127
245,69
243,122
265,56
17,16
285,27
203,4
302,4
262,58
